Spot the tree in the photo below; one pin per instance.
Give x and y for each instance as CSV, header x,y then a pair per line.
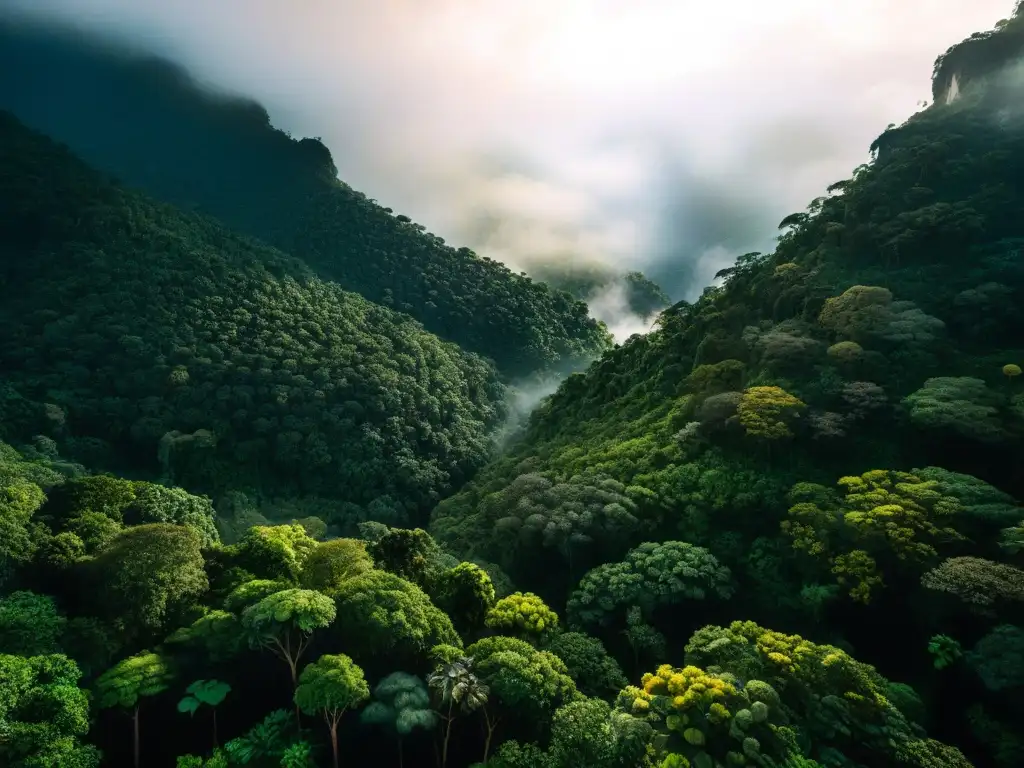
x,y
588,732
981,584
705,713
957,404
766,412
19,501
148,575
30,624
580,515
522,614
522,679
131,680
897,516
868,314
820,685
457,688
409,553
465,593
380,614
209,692
43,713
401,704
267,740
998,658
650,575
216,633
283,623
334,561
158,504
595,672
329,686
274,551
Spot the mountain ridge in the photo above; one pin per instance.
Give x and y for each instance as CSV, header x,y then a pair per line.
x,y
158,331
221,154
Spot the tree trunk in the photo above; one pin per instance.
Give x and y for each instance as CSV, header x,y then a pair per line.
x,y
215,745
401,762
491,727
334,741
447,734
135,728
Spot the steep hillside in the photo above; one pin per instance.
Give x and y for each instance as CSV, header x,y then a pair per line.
x,y
841,423
152,126
214,360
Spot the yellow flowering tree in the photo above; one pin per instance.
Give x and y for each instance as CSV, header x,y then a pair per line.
x,y
767,412
707,719
522,614
882,514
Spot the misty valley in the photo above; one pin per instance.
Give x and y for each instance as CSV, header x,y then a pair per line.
x,y
287,479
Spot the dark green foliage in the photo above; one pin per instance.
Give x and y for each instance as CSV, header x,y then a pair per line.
x,y
104,494
998,658
649,576
945,650
241,363
223,156
466,594
406,553
522,678
380,613
641,295
267,739
723,466
30,624
159,504
43,714
401,703
332,562
147,577
589,665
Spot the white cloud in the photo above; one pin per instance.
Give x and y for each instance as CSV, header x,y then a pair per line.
x,y
668,136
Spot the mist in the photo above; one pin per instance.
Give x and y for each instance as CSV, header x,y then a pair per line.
x,y
664,137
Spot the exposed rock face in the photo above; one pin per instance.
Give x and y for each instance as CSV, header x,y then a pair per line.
x,y
979,56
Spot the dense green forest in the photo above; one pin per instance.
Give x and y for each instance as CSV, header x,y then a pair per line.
x,y
148,123
144,338
780,530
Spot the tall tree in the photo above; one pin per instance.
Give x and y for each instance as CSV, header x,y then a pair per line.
x,y
328,687
131,680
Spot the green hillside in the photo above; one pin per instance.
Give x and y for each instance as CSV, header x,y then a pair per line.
x,y
161,342
151,125
782,530
834,422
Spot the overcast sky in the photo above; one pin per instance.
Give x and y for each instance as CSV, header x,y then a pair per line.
x,y
665,135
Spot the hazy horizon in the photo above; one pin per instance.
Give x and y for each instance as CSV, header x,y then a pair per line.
x,y
663,137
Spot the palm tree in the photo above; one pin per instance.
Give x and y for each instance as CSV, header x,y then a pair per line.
x,y
456,686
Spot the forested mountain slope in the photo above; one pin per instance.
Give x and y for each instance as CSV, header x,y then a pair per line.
x,y
841,423
640,295
149,124
159,341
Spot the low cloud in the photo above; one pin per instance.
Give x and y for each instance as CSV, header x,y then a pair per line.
x,y
666,137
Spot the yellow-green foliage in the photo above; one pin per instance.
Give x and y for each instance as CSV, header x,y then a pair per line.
x,y
879,513
1011,370
331,562
845,351
522,613
704,715
765,412
804,671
